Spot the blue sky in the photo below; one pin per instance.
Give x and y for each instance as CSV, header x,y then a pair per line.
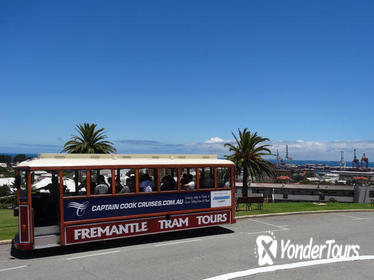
x,y
180,76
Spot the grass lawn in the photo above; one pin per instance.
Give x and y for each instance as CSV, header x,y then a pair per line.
x,y
282,207
8,224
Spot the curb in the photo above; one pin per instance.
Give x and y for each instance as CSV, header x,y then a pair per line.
x,y
3,242
303,212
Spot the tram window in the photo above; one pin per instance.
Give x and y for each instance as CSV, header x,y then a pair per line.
x,y
23,185
46,183
223,177
101,181
206,177
125,180
169,179
74,182
188,178
148,179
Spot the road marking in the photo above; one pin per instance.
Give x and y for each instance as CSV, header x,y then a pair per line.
x,y
269,224
352,217
272,268
266,231
93,255
12,268
178,242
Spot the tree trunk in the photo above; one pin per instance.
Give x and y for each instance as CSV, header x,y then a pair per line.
x,y
245,182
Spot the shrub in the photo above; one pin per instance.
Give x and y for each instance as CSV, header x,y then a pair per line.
x,y
333,200
4,191
9,201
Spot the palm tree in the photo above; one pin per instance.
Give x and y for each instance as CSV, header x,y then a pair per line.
x,y
247,155
89,141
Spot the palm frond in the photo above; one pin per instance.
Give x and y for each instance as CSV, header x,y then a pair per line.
x,y
89,140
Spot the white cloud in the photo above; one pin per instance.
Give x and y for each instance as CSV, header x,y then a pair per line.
x,y
214,140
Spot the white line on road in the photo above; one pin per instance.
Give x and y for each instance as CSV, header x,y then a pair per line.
x,y
265,231
265,269
178,242
12,268
352,217
269,224
93,255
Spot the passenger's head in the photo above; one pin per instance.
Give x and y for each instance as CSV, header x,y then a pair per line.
x,y
101,179
143,177
54,179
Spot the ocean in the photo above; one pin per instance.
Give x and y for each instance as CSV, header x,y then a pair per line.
x,y
324,162
12,155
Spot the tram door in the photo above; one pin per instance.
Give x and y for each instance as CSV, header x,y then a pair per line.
x,y
45,187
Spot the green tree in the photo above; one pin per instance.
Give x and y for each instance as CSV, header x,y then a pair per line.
x,y
89,141
5,159
19,158
247,155
4,190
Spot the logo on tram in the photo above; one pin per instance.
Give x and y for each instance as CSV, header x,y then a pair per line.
x,y
81,207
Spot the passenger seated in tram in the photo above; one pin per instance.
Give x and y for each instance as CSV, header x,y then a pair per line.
x,y
227,181
168,183
130,182
119,186
53,188
146,184
101,187
206,181
109,183
82,188
190,185
126,187
184,179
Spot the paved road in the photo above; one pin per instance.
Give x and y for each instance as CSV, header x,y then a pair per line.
x,y
202,254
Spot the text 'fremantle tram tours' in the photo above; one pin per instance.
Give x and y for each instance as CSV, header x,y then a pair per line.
x,y
75,198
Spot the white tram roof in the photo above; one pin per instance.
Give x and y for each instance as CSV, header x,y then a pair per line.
x,y
76,160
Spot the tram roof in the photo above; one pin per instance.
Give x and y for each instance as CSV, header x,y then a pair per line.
x,y
79,160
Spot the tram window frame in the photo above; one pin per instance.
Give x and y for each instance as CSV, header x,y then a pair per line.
x,y
209,170
173,173
80,181
93,182
23,187
142,173
222,179
194,178
48,188
121,184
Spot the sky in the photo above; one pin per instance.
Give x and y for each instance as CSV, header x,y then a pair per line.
x,y
181,76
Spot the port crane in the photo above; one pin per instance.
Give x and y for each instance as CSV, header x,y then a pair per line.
x,y
355,160
366,160
342,160
288,158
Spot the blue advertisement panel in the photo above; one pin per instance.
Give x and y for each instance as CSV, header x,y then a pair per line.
x,y
103,207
